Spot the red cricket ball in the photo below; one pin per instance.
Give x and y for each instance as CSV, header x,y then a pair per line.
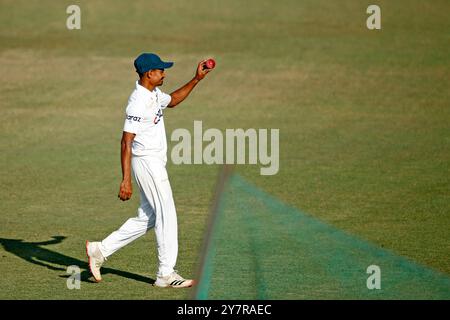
x,y
210,63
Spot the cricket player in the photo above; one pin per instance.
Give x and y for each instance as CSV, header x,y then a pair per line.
x,y
144,153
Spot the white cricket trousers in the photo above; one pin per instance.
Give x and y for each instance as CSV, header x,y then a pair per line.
x,y
157,210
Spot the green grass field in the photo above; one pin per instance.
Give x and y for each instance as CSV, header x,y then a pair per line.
x,y
363,118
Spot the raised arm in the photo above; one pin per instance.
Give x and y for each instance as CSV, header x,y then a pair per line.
x,y
181,94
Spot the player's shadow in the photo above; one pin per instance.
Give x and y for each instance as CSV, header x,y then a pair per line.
x,y
34,252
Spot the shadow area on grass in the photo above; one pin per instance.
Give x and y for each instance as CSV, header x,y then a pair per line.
x,y
35,253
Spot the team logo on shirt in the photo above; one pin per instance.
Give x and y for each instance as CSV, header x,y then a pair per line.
x,y
158,116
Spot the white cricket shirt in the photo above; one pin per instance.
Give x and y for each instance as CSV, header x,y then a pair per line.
x,y
144,117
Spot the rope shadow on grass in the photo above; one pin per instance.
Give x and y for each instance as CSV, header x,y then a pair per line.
x,y
33,252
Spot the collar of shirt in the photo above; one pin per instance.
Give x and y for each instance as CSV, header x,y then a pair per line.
x,y
146,94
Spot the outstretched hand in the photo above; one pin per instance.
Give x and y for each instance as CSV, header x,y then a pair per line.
x,y
202,71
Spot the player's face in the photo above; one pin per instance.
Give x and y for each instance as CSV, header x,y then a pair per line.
x,y
157,76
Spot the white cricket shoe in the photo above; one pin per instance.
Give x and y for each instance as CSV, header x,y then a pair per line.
x,y
173,280
96,259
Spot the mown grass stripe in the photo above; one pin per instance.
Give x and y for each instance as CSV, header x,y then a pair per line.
x,y
296,255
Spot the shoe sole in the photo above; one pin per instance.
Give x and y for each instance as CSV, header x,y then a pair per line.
x,y
89,263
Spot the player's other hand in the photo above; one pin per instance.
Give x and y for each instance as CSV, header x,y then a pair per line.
x,y
125,191
202,71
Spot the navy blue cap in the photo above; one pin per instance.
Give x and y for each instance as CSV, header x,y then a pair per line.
x,y
150,61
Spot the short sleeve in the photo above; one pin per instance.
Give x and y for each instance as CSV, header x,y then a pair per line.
x,y
164,99
133,119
